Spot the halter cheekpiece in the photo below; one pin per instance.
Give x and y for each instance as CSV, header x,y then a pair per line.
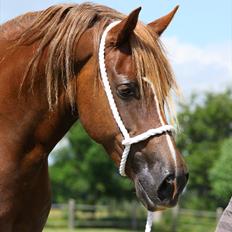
x,y
127,141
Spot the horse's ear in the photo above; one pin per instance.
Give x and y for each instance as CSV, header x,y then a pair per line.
x,y
159,25
122,31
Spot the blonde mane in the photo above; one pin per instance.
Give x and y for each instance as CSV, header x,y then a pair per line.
x,y
59,28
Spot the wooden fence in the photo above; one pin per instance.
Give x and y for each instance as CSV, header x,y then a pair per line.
x,y
131,216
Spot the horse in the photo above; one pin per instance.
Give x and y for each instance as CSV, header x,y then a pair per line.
x,y
50,78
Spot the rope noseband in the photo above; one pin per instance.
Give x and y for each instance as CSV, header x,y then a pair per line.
x,y
127,141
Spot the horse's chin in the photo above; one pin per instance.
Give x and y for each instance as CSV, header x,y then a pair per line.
x,y
144,198
151,205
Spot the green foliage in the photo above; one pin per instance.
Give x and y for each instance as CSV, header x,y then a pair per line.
x,y
205,124
221,173
84,171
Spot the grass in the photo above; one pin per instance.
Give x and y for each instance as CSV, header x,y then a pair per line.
x,y
84,230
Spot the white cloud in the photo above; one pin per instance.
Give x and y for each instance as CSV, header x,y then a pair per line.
x,y
200,69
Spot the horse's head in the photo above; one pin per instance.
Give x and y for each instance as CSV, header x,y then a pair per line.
x,y
140,80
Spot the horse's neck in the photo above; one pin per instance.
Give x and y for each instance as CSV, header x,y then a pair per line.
x,y
25,119
28,116
13,27
27,124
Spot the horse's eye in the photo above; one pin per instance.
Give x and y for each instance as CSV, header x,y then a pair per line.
x,y
126,91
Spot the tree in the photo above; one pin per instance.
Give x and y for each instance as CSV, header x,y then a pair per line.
x,y
85,172
221,173
205,124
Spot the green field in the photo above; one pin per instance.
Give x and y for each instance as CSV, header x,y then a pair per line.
x,y
84,230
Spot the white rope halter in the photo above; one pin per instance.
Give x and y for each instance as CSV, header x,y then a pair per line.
x,y
127,141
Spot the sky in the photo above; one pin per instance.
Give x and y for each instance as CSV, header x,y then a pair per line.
x,y
198,42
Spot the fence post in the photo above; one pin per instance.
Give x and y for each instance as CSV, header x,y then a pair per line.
x,y
134,216
218,214
175,214
71,214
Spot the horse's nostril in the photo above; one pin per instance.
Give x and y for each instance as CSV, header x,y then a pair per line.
x,y
167,188
171,185
187,177
170,178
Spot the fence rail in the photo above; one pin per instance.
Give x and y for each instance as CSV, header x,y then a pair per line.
x,y
131,216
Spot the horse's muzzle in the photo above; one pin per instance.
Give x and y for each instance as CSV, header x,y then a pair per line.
x,y
158,196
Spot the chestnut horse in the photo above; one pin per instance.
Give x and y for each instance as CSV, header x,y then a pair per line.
x,y
49,79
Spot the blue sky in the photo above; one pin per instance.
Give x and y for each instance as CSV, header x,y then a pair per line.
x,y
197,21
198,42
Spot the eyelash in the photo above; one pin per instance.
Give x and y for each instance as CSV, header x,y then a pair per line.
x,y
127,91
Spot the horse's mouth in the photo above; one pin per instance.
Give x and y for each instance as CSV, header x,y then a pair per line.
x,y
152,205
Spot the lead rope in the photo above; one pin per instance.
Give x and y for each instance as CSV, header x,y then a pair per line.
x,y
127,141
149,221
